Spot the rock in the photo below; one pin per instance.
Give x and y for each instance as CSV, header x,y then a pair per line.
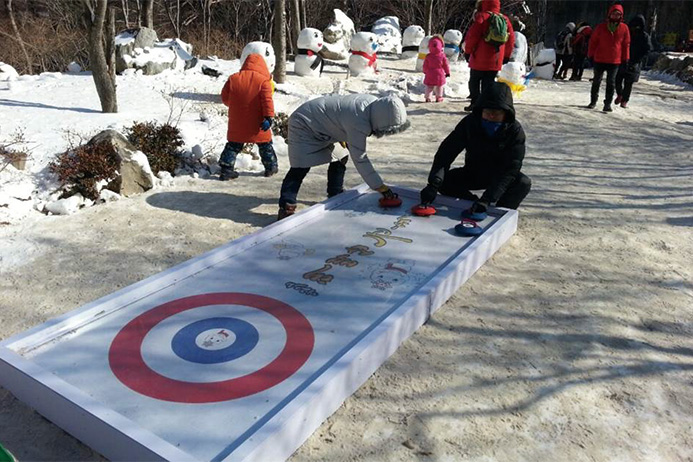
x,y
135,174
74,68
389,35
337,36
140,49
679,65
106,195
127,41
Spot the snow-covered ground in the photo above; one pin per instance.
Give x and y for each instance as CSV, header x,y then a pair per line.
x,y
573,343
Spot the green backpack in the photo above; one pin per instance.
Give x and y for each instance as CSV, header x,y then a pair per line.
x,y
497,33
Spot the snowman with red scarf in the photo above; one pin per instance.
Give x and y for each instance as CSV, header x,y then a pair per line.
x,y
363,53
308,62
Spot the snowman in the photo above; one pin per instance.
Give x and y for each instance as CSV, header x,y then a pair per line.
x,y
423,51
308,62
453,39
410,41
263,49
363,53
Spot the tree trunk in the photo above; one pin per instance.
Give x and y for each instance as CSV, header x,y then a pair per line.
x,y
29,65
104,78
304,19
295,24
279,40
429,17
148,13
126,12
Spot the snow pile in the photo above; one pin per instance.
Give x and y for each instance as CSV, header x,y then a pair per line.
x,y
389,35
7,72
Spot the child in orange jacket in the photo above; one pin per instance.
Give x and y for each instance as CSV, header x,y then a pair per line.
x,y
248,95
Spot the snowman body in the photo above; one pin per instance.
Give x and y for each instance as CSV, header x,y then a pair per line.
x,y
263,49
423,51
453,40
411,39
364,46
308,62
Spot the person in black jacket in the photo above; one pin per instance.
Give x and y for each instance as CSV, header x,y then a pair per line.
x,y
629,73
495,147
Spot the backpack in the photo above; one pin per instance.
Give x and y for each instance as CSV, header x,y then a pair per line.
x,y
560,40
497,33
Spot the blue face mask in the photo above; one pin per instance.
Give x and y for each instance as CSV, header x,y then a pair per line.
x,y
491,128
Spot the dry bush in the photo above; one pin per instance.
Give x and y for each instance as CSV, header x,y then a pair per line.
x,y
79,170
160,143
280,127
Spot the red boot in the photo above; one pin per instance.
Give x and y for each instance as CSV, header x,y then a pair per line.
x,y
618,99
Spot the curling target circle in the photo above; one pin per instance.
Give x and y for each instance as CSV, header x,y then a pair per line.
x,y
209,342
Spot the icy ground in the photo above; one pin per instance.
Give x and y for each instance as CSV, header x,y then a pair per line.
x,y
575,342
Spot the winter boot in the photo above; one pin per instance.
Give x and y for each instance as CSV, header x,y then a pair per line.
x,y
428,99
272,170
618,99
286,211
607,108
591,105
228,173
624,104
439,99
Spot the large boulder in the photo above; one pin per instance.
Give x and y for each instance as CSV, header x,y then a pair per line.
x,y
678,64
337,36
389,35
135,174
140,49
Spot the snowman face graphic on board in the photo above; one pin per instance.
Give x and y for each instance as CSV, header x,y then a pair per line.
x,y
263,49
290,249
217,339
394,273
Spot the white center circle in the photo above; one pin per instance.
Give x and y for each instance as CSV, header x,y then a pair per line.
x,y
215,339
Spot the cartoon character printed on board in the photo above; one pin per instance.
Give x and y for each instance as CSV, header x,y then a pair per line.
x,y
394,273
216,338
291,249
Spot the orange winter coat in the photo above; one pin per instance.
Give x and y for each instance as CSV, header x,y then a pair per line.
x,y
248,95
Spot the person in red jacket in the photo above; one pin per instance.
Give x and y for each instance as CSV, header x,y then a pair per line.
x,y
248,95
609,47
485,58
580,46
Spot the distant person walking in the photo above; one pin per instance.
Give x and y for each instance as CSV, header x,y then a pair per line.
x,y
629,73
489,43
564,51
581,44
609,48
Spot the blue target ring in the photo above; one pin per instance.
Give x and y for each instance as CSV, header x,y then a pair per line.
x,y
224,339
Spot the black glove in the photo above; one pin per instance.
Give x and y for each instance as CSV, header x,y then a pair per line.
x,y
466,57
506,60
266,124
479,206
447,76
428,194
389,194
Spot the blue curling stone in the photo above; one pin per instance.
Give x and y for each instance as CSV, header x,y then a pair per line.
x,y
468,228
474,216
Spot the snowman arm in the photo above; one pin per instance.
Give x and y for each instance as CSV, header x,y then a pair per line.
x,y
357,151
266,99
226,93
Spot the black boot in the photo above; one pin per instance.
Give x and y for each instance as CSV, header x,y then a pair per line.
x,y
271,170
286,211
228,173
607,108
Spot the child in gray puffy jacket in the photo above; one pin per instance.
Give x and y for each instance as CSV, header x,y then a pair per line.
x,y
318,124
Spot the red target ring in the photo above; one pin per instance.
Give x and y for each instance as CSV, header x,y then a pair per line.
x,y
126,361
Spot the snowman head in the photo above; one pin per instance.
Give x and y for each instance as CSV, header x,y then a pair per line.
x,y
310,39
263,49
453,36
413,36
365,42
423,46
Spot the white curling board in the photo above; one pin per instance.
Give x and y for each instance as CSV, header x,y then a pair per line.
x,y
241,353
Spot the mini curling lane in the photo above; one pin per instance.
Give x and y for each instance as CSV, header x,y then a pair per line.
x,y
241,353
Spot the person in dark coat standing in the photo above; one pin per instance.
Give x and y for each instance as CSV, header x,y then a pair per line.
x,y
609,48
485,59
629,73
494,145
581,44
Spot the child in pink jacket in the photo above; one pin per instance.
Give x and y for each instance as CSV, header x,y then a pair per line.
x,y
435,68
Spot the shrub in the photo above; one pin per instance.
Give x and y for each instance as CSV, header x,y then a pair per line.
x,y
160,143
280,127
80,169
